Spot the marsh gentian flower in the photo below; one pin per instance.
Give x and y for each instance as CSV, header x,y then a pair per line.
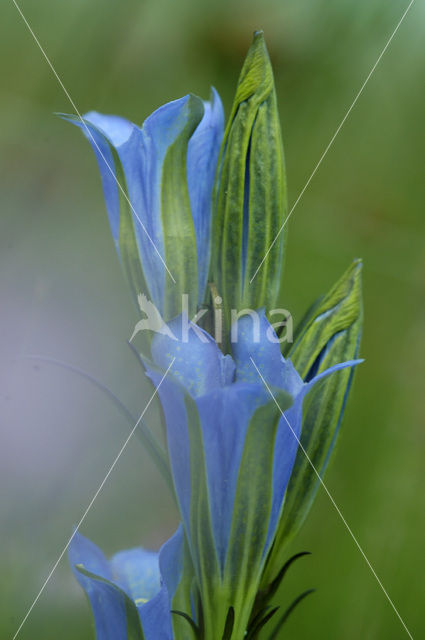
x,y
166,170
231,454
130,594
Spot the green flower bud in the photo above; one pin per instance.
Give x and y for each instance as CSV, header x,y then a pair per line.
x,y
250,192
329,334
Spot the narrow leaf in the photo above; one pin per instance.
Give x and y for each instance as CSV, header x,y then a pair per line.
x,y
268,593
188,619
253,634
289,610
230,622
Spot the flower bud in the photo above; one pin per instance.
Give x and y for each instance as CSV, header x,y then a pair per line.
x,y
250,193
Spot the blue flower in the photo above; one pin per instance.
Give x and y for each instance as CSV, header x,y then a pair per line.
x,y
232,448
161,219
130,593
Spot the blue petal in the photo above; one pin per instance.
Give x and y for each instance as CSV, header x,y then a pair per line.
x,y
136,571
335,367
142,152
171,561
116,129
202,156
291,380
84,552
285,451
172,399
199,364
99,142
255,338
142,158
156,617
107,602
225,415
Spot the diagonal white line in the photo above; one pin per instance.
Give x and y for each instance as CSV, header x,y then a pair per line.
x,y
333,138
36,40
333,502
102,484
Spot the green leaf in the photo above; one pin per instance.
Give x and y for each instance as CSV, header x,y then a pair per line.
x,y
177,221
266,594
230,623
250,192
331,334
134,627
260,621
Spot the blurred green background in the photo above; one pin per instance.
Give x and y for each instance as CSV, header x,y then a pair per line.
x,y
62,293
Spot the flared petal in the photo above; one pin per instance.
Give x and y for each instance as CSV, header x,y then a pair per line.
x,y
254,339
157,181
95,126
83,551
125,593
113,612
171,561
142,153
199,364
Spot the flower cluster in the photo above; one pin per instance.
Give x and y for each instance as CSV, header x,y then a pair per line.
x,y
248,429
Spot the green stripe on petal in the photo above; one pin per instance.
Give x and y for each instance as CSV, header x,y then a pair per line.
x,y
129,252
252,509
177,221
267,208
201,537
